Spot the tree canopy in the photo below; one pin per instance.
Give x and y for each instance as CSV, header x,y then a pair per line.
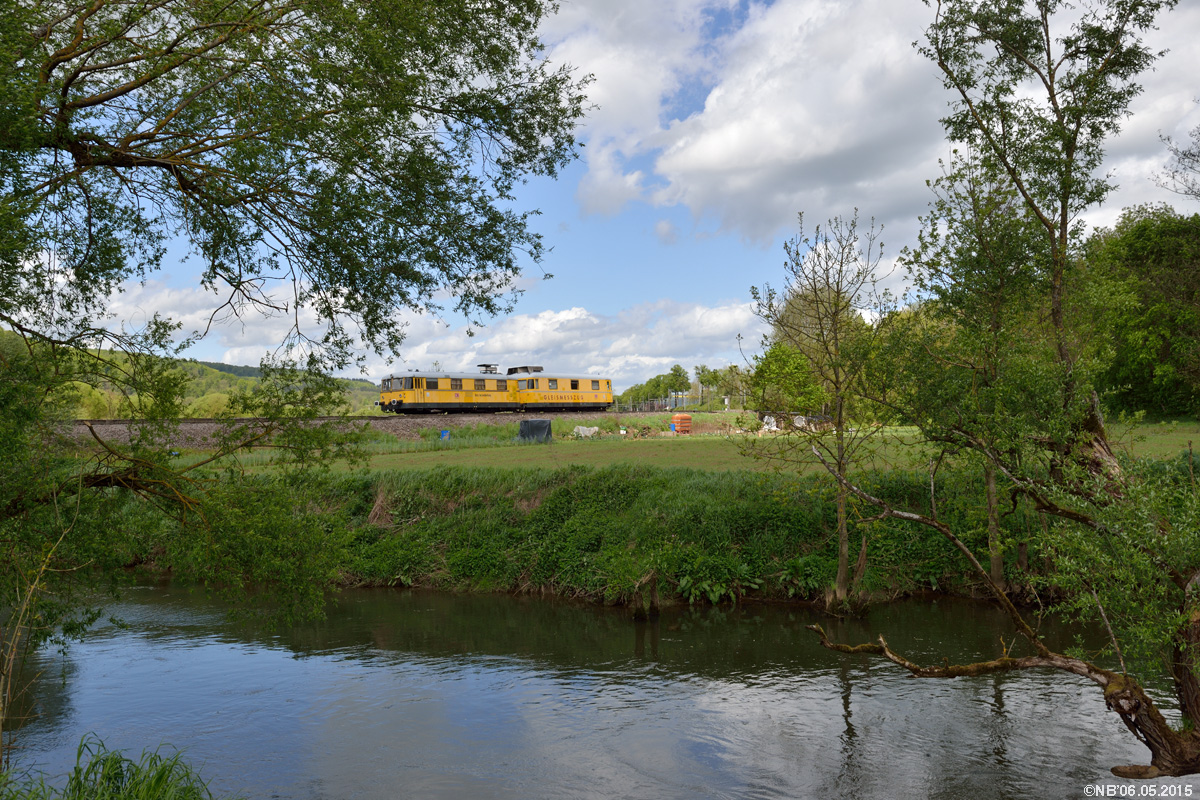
x,y
1038,87
1147,269
344,160
332,162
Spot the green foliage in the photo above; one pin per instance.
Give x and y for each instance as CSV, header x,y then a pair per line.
x,y
1049,141
102,774
74,511
606,534
1131,568
1143,280
239,127
658,387
271,543
176,116
974,364
807,575
206,390
783,383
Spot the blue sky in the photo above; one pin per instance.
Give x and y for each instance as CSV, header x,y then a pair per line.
x,y
716,122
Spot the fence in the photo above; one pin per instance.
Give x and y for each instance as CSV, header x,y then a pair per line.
x,y
682,401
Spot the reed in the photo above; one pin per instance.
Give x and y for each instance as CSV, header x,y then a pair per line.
x,y
103,774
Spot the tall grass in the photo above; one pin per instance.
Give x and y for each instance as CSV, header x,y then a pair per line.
x,y
607,533
103,774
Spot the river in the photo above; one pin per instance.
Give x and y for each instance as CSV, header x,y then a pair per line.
x,y
425,695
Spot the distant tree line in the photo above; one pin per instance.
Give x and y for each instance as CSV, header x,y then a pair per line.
x,y
708,383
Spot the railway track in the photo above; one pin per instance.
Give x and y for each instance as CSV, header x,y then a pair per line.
x,y
377,417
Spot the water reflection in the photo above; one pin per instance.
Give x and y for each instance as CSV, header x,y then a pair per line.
x,y
427,695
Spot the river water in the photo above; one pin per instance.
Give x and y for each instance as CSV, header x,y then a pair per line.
x,y
424,695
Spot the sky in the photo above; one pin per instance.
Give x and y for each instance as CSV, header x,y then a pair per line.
x,y
714,124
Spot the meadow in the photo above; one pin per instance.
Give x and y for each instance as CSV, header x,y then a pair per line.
x,y
719,445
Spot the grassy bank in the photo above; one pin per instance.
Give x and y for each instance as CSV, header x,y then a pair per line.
x,y
610,519
614,534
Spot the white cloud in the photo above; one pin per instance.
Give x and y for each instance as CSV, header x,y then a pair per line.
x,y
814,105
641,54
630,346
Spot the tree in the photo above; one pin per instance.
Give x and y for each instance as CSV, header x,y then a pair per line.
x,y
1183,174
326,160
967,355
677,379
74,513
830,283
1147,272
706,379
783,385
732,381
347,160
1038,106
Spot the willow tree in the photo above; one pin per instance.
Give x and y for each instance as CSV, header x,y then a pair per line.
x,y
332,163
1038,86
344,160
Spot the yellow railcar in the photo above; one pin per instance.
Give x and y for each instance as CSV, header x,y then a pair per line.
x,y
521,389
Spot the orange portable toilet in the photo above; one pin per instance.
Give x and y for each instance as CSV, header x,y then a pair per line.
x,y
682,423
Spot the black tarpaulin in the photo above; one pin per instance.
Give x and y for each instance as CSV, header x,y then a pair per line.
x,y
534,430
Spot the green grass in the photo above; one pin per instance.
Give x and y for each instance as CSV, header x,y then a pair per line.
x,y
609,533
496,446
102,774
1156,440
709,453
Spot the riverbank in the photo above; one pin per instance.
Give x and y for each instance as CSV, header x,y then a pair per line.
x,y
624,534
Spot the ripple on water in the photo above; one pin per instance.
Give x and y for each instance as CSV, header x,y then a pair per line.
x,y
447,697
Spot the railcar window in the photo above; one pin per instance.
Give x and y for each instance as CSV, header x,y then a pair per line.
x,y
608,384
455,384
431,383
521,385
387,385
574,385
502,386
553,383
533,384
595,386
408,383
480,385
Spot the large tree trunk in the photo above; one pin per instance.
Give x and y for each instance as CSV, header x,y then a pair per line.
x,y
1172,753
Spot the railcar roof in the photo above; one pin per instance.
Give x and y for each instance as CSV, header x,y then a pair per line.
x,y
520,376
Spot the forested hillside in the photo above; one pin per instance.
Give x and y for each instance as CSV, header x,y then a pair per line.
x,y
207,388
